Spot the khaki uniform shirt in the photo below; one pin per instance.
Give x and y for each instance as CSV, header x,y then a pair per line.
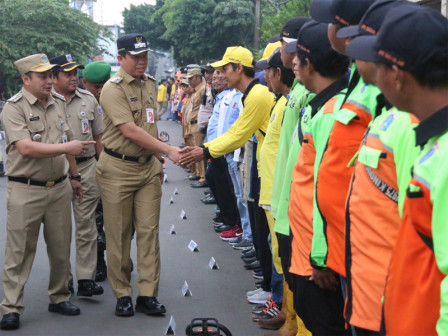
x,y
206,109
24,117
193,111
85,118
125,99
185,110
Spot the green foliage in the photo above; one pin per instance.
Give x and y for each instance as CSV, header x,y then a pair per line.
x,y
141,19
273,22
43,26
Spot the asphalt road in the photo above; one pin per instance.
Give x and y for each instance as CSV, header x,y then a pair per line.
x,y
215,293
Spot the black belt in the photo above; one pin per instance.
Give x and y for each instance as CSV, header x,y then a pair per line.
x,y
37,183
83,159
193,122
141,159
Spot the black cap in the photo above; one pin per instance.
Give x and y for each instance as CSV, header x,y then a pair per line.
x,y
274,61
343,12
208,67
312,39
398,42
371,21
274,38
65,63
133,44
292,27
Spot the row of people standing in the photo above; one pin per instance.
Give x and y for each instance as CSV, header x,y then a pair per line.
x,y
356,200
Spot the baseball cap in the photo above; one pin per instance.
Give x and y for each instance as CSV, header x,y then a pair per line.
x,y
292,27
208,66
274,38
96,72
35,63
193,72
274,61
343,12
312,39
133,44
373,18
263,61
235,55
185,81
398,43
65,63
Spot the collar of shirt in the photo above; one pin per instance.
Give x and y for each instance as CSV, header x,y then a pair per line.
x,y
434,125
251,85
322,97
127,78
32,99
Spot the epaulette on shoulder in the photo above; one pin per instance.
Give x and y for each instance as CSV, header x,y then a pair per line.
x,y
150,77
58,95
87,92
15,98
116,79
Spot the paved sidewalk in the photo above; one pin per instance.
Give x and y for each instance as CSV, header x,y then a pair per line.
x,y
216,293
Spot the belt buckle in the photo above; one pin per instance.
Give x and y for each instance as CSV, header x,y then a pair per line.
x,y
142,159
50,184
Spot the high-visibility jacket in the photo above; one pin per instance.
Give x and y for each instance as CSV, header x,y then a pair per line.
x,y
317,114
416,296
382,172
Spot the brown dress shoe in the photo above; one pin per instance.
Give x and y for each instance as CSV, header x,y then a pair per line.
x,y
273,323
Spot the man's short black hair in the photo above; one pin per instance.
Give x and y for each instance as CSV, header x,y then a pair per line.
x,y
249,72
330,64
287,77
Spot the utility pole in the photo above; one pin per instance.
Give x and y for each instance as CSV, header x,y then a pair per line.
x,y
257,25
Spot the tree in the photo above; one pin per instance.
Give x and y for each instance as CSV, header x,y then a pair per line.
x,y
234,21
42,26
141,19
280,13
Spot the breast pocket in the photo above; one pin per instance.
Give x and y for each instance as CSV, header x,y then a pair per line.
x,y
36,126
85,118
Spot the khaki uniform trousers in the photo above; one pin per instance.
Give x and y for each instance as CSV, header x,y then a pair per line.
x,y
198,139
131,194
28,207
85,223
189,141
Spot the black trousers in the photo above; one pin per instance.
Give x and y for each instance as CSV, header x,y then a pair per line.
x,y
284,252
220,183
320,310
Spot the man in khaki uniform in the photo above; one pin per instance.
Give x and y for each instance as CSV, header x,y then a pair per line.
x,y
198,84
94,76
37,140
129,174
84,116
188,90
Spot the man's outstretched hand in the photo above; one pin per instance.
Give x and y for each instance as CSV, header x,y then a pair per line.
x,y
190,155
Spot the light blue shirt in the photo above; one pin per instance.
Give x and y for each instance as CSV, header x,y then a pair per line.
x,y
233,111
212,129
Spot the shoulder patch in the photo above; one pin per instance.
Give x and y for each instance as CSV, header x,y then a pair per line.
x,y
150,77
15,98
116,79
57,95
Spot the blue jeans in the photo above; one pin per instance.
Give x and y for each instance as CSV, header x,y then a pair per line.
x,y
241,203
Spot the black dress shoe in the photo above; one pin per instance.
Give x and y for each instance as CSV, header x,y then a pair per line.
x,y
89,288
193,178
124,306
199,185
149,305
253,265
249,260
10,321
250,253
64,308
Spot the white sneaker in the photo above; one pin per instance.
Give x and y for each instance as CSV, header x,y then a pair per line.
x,y
255,291
259,297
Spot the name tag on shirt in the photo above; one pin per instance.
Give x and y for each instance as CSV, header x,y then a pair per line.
x,y
150,115
85,126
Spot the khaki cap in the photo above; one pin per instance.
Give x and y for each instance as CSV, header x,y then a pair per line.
x,y
193,72
185,82
35,63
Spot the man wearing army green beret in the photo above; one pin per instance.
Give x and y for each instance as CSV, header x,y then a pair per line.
x,y
129,174
94,76
38,147
84,117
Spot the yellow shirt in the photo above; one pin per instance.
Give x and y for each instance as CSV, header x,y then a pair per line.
x,y
161,93
268,151
257,104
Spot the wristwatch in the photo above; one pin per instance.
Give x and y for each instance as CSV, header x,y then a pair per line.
x,y
76,177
